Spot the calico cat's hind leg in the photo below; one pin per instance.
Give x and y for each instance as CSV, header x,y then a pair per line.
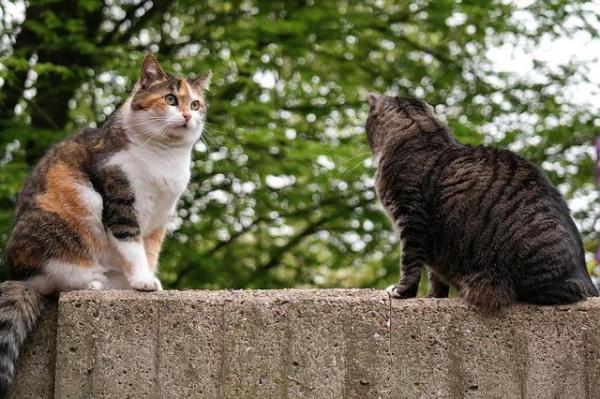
x,y
488,291
437,287
561,292
59,275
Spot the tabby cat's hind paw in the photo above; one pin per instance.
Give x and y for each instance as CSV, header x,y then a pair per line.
x,y
401,291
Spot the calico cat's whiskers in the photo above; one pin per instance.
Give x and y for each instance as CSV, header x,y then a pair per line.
x,y
203,139
210,130
212,127
207,138
152,134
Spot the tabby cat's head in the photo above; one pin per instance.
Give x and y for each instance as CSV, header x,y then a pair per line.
x,y
166,109
393,116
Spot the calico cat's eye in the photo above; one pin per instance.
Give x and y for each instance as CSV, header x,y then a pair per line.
x,y
195,105
171,99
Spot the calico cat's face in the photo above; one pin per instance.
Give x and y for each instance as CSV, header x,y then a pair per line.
x,y
167,109
393,115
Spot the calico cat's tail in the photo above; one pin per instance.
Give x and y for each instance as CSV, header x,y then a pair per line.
x,y
20,307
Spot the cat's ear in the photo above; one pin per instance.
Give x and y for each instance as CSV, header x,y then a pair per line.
x,y
202,81
151,71
372,98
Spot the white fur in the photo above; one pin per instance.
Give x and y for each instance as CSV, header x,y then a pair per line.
x,y
157,165
94,203
140,277
65,276
158,179
158,172
390,289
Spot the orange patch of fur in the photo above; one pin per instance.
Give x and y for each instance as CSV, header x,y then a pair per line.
x,y
62,198
99,146
153,101
127,266
185,96
152,245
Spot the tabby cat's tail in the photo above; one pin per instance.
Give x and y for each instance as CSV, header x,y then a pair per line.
x,y
20,307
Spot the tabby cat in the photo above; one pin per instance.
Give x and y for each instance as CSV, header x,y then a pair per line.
x,y
92,214
482,219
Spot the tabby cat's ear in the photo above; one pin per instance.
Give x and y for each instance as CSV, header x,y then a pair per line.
x,y
372,98
151,71
202,81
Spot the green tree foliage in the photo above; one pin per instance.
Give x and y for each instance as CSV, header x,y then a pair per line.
x,y
282,190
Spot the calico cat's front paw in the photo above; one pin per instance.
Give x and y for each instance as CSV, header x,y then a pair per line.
x,y
149,283
401,291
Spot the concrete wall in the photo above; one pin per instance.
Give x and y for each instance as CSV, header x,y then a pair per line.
x,y
306,344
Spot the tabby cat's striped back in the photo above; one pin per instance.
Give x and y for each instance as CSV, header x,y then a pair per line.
x,y
482,219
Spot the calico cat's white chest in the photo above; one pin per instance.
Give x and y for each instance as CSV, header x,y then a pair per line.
x,y
158,180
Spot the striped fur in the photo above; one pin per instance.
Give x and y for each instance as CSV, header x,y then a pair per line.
x,y
20,307
481,219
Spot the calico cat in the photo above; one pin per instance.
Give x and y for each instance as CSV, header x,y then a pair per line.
x,y
92,214
483,220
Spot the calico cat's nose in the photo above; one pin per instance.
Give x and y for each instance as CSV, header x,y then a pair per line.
x,y
187,117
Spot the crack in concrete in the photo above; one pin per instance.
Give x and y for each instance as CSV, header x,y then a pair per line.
x,y
390,355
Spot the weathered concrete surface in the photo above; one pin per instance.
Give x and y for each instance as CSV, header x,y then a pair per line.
x,y
443,349
242,344
306,344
